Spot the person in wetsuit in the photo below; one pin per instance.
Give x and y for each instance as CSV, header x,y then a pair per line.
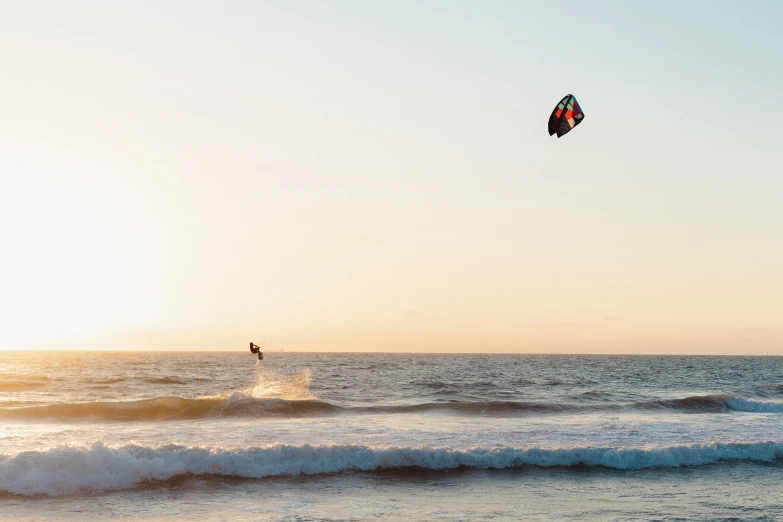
x,y
254,348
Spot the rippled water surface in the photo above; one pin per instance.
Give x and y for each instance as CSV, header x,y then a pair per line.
x,y
353,436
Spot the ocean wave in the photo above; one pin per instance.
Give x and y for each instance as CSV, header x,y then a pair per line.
x,y
490,408
105,381
68,470
163,380
160,408
595,395
715,404
242,405
753,406
271,396
695,404
12,376
20,385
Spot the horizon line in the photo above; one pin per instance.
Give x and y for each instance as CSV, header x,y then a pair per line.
x,y
644,354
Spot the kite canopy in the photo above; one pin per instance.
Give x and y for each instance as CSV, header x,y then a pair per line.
x,y
567,115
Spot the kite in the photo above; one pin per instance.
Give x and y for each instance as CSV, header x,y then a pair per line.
x,y
567,115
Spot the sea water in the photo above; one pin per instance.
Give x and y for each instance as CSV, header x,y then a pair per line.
x,y
306,436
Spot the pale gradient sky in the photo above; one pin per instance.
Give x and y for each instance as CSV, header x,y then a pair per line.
x,y
362,176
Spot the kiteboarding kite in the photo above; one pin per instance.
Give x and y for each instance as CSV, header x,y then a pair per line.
x,y
567,115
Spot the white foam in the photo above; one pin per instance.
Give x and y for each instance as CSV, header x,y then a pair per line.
x,y
67,470
753,406
270,385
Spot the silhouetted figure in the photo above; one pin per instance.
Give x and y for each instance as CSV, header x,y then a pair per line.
x,y
254,348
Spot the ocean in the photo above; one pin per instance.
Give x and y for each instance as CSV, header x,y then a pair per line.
x,y
339,436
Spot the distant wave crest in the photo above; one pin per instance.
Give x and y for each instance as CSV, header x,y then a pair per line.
x,y
163,380
240,404
271,396
716,404
106,381
68,470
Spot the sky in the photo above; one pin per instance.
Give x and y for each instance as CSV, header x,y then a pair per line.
x,y
377,176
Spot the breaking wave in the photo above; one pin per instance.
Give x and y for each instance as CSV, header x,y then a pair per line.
x,y
67,470
737,404
716,404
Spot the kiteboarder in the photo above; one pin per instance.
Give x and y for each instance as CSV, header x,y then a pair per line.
x,y
254,348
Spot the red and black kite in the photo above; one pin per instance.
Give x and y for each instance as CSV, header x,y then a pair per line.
x,y
567,115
